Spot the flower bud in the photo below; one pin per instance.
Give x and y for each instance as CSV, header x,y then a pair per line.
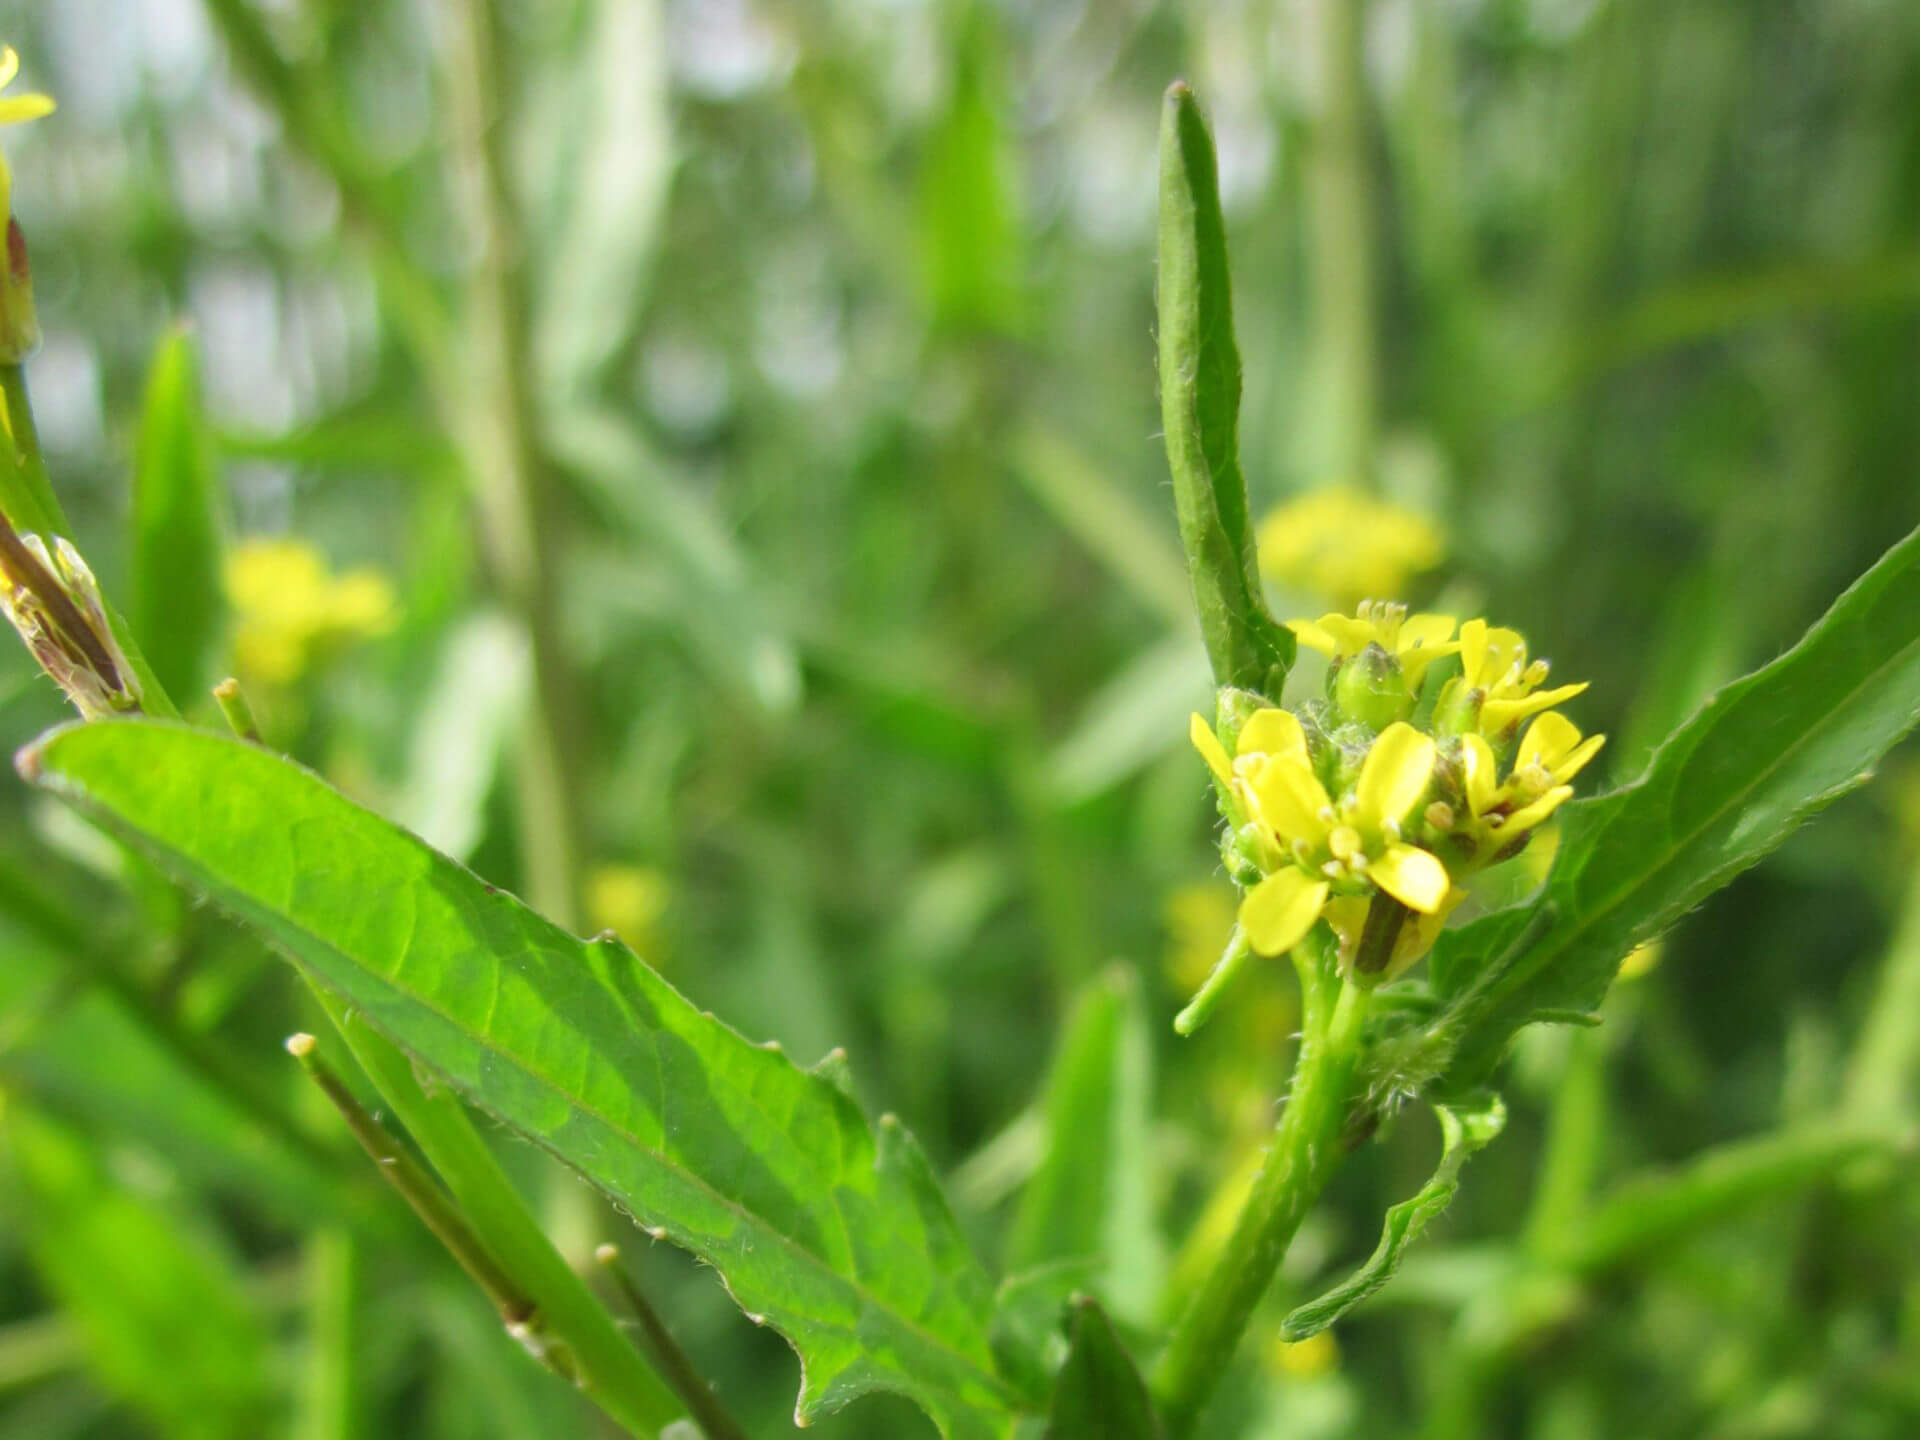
x,y
55,603
1371,688
19,325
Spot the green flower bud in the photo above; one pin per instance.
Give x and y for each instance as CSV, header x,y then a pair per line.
x,y
1370,687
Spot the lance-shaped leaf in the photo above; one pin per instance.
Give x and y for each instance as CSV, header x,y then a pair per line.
x,y
1463,1132
1099,1394
1200,407
1760,757
841,1241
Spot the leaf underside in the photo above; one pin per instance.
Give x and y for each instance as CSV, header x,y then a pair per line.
x,y
838,1239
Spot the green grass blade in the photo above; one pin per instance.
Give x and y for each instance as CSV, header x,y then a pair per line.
x,y
1760,757
837,1238
166,1324
175,603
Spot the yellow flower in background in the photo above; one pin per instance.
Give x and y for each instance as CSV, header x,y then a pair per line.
x,y
1346,546
291,612
1304,1359
1199,922
629,900
19,325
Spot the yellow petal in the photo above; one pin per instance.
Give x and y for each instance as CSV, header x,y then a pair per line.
x,y
1482,770
1273,732
1312,636
1575,760
1211,750
1350,635
1412,876
1281,909
1291,800
1528,816
1500,715
15,109
9,65
1547,739
1473,649
1424,632
1393,776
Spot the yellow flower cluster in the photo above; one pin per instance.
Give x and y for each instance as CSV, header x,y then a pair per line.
x,y
1350,800
1342,544
290,612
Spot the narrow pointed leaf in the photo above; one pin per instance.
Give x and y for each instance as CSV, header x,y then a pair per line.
x,y
1463,1132
175,603
839,1240
1099,1394
1200,408
1760,757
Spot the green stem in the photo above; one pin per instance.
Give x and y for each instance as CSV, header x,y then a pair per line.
x,y
1340,188
32,506
516,515
427,1200
613,1374
1883,1076
328,1404
665,1352
1308,1147
1576,1126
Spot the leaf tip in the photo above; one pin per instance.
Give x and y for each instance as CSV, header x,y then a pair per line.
x,y
29,761
300,1045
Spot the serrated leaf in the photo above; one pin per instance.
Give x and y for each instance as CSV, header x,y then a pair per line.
x,y
839,1240
175,604
1760,757
1099,1394
1463,1132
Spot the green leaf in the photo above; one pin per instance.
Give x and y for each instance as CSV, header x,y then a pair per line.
x,y
175,603
1200,408
841,1241
969,212
1091,1196
164,1321
1645,1214
1760,757
1099,1394
1463,1133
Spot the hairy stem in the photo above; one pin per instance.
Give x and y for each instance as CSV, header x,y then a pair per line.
x,y
1307,1149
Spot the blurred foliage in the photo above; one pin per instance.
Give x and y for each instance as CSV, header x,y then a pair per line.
x,y
839,338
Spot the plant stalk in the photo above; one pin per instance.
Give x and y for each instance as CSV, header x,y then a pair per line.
x,y
1308,1147
714,1419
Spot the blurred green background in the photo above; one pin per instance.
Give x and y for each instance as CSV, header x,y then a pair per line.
x,y
865,634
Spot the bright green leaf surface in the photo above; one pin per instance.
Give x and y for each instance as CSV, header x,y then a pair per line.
x,y
1760,757
1099,1395
840,1241
1463,1133
175,604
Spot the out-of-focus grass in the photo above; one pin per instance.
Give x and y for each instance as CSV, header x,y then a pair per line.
x,y
840,342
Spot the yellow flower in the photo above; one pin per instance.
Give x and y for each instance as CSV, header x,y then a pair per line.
x,y
1551,753
14,110
1337,542
1414,641
1198,919
629,900
1496,689
19,326
290,611
1309,846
